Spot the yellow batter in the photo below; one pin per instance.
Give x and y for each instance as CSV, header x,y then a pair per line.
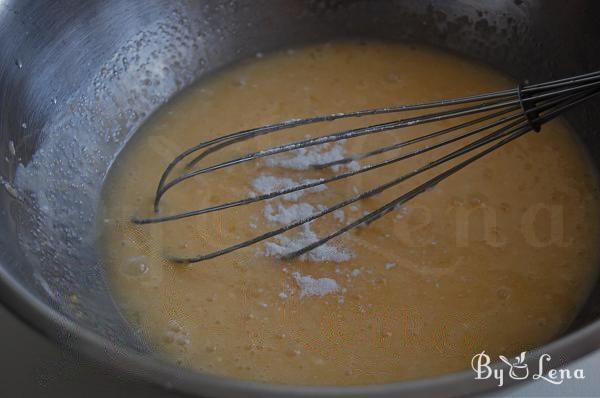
x,y
498,257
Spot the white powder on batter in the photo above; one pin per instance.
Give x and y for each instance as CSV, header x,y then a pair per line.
x,y
353,166
310,286
339,215
304,158
287,215
266,183
301,159
326,252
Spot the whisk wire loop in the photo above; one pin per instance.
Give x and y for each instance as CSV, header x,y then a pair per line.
x,y
496,119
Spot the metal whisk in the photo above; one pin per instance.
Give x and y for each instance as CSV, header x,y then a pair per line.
x,y
501,117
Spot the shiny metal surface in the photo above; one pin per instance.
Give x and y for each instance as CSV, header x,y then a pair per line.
x,y
78,78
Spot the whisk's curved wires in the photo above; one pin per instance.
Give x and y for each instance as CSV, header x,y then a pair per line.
x,y
554,97
378,128
229,139
505,134
367,194
314,183
540,108
321,181
221,142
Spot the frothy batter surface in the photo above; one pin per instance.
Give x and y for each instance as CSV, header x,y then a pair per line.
x,y
498,257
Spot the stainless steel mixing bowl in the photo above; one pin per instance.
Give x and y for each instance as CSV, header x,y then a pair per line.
x,y
78,77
